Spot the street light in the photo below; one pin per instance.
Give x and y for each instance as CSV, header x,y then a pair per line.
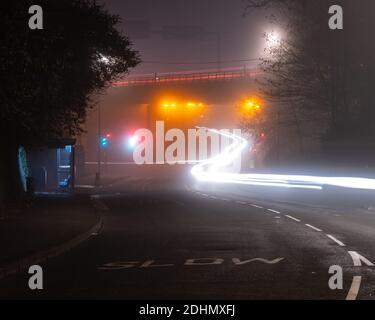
x,y
107,61
273,39
250,107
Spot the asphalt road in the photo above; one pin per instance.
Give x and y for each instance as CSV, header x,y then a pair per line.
x,y
168,238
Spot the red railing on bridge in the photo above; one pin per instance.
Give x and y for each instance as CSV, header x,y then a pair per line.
x,y
228,74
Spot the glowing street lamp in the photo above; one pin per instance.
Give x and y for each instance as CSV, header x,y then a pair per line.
x,y
250,107
273,40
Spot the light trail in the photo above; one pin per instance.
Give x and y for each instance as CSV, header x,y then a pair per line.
x,y
213,170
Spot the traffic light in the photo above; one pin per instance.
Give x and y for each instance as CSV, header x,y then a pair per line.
x,y
104,141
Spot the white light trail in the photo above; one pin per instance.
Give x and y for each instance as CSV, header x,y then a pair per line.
x,y
212,170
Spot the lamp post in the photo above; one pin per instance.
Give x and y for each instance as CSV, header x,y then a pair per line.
x,y
98,172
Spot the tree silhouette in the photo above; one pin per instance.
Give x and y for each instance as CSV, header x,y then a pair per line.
x,y
316,72
49,76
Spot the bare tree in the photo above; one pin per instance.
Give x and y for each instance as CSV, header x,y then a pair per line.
x,y
317,73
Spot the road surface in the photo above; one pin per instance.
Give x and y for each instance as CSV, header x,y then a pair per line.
x,y
174,238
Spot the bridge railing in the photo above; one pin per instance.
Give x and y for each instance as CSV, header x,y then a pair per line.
x,y
187,77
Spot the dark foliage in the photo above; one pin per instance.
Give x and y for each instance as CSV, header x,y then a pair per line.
x,y
49,76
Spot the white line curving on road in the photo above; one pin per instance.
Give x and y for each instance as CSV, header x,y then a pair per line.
x,y
354,288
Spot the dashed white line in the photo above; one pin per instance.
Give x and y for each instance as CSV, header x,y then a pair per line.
x,y
354,288
341,244
256,206
224,199
312,227
293,218
274,211
240,202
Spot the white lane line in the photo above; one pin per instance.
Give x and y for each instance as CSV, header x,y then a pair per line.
x,y
292,218
354,288
241,202
255,206
204,195
358,259
341,244
274,211
312,227
213,197
224,199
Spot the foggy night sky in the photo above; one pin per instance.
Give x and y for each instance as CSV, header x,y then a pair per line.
x,y
242,37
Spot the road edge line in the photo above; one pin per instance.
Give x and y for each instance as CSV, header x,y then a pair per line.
x,y
354,288
44,255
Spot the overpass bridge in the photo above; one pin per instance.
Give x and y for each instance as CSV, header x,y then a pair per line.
x,y
189,76
214,86
137,102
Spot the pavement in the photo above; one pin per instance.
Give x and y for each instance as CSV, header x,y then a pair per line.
x,y
172,238
49,225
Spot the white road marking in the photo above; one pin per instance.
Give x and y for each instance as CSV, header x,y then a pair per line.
x,y
358,259
274,211
312,227
341,244
87,186
354,288
237,261
213,197
224,199
292,218
241,202
255,206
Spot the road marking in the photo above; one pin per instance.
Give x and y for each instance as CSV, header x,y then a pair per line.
x,y
358,259
354,288
341,244
204,195
241,202
274,211
295,219
312,227
213,197
256,206
224,199
87,186
237,261
212,261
